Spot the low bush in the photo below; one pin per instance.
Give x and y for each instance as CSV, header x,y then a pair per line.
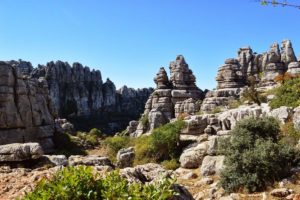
x,y
162,144
165,140
144,120
289,134
66,145
88,138
96,132
80,183
254,157
170,164
288,94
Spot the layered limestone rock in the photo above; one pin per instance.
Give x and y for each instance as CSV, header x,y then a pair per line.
x,y
26,110
80,95
233,75
171,97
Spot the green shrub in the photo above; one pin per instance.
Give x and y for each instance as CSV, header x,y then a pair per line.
x,y
79,183
144,120
114,144
234,104
254,158
165,140
66,145
288,94
88,138
289,135
170,164
96,132
144,151
251,93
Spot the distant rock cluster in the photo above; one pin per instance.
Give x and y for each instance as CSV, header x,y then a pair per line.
x,y
233,75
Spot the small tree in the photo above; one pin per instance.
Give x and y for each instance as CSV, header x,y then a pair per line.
x,y
251,93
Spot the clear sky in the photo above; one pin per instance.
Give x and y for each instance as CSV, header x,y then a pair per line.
x,y
129,40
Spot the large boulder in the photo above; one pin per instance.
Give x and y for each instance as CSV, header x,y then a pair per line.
x,y
125,157
212,165
192,156
283,113
90,160
20,152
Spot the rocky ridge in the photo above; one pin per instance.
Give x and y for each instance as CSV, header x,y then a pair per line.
x,y
31,99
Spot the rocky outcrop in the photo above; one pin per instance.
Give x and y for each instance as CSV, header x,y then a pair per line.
x,y
78,92
20,152
233,75
26,111
171,97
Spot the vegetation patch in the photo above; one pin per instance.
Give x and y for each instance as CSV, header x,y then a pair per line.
x,y
288,94
255,158
162,144
80,183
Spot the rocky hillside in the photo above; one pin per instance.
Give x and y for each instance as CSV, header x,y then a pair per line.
x,y
33,97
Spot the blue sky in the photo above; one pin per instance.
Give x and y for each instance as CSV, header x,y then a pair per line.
x,y
129,40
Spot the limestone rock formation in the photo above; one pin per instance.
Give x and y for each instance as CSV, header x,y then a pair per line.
x,y
20,152
26,111
212,165
233,75
171,97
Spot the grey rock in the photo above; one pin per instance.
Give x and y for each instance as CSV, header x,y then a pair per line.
x,y
90,160
57,160
212,165
193,155
294,68
20,152
189,176
282,114
125,157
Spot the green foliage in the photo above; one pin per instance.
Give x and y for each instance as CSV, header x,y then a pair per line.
x,y
289,135
165,140
288,94
116,143
96,132
254,158
162,144
251,94
66,145
170,164
90,139
144,120
74,183
234,104
80,183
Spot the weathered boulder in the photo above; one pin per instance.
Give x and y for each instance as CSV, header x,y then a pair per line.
x,y
228,119
189,106
193,155
282,114
149,172
90,160
125,157
280,192
212,165
161,79
20,152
